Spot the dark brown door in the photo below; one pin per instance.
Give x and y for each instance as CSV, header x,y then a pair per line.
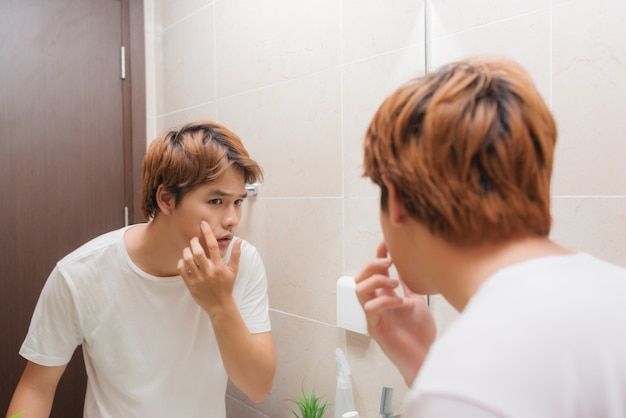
x,y
64,157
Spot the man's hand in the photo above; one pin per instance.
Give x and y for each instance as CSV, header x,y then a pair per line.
x,y
208,279
403,326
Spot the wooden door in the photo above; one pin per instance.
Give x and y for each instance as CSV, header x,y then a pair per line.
x,y
66,163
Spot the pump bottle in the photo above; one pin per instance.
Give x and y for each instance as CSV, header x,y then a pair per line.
x,y
344,399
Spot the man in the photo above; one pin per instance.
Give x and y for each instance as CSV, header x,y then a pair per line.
x,y
166,311
463,157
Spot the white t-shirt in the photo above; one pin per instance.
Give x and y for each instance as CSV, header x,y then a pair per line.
x,y
149,349
541,339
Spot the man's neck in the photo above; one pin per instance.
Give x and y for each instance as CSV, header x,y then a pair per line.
x,y
466,269
150,252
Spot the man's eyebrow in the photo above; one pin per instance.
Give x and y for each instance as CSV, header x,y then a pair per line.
x,y
220,193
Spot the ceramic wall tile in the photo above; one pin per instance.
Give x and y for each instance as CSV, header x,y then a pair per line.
x,y
236,408
446,17
181,117
525,39
188,67
589,82
152,51
150,74
294,131
253,224
273,40
596,225
373,27
362,232
303,256
160,93
172,12
371,370
152,17
365,85
151,130
305,354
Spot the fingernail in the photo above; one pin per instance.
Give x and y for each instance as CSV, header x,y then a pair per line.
x,y
204,224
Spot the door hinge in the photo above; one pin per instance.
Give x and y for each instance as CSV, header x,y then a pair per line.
x,y
123,62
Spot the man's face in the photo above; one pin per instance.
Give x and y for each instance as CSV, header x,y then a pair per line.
x,y
405,242
219,204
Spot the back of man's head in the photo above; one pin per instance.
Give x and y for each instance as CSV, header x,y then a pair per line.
x,y
469,149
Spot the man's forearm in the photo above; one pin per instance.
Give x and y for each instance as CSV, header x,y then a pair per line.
x,y
30,402
34,394
249,359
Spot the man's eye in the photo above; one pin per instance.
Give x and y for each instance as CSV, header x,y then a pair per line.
x,y
238,202
215,201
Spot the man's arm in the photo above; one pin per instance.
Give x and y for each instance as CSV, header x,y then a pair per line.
x,y
35,391
249,359
402,326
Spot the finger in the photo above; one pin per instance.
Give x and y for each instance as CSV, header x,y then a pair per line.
x,y
198,255
189,263
211,243
182,269
235,255
380,265
381,303
381,250
375,266
368,289
376,282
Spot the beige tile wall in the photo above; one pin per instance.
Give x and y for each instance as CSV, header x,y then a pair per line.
x,y
299,81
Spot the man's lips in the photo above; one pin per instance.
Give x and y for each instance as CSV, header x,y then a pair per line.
x,y
224,240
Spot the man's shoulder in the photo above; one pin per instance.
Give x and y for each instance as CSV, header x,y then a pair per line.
x,y
94,246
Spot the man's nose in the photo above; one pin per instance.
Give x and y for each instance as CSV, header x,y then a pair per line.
x,y
231,217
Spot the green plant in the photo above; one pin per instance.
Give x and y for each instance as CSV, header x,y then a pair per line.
x,y
309,405
18,415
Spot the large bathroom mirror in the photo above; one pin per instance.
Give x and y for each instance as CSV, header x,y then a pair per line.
x,y
298,81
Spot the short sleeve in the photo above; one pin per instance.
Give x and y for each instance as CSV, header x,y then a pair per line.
x,y
254,302
53,334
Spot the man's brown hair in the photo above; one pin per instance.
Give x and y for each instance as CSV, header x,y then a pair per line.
x,y
196,154
469,149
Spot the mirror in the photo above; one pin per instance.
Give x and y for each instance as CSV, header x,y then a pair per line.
x,y
298,81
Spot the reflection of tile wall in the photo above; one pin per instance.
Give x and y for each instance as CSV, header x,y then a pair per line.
x,y
299,81
589,98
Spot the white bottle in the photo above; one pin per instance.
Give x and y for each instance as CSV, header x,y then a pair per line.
x,y
344,399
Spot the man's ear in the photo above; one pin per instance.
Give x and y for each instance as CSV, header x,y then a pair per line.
x,y
165,200
395,207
